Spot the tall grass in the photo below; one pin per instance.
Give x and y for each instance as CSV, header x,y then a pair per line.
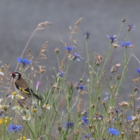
x,y
64,114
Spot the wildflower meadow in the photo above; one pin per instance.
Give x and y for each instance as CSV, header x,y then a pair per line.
x,y
69,110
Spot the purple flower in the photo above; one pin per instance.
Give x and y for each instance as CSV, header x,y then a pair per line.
x,y
114,131
24,61
87,35
88,135
60,73
15,128
69,48
131,27
126,44
138,70
85,120
112,38
38,85
70,125
77,57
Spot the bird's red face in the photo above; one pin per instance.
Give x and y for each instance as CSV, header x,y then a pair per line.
x,y
13,75
16,75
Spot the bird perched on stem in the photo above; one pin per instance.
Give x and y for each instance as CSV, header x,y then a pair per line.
x,y
22,87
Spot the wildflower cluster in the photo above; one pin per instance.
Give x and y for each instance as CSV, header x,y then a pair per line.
x,y
65,107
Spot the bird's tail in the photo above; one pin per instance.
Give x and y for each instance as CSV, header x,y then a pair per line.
x,y
39,98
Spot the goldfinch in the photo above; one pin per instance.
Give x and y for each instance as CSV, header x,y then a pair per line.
x,y
22,87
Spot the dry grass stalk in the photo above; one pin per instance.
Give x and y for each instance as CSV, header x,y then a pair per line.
x,y
43,50
63,102
79,21
63,64
42,24
79,106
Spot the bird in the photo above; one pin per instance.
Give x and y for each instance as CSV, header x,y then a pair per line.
x,y
22,87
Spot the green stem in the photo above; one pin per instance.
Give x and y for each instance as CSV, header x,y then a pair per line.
x,y
30,129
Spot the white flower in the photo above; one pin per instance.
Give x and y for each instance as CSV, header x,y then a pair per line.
x,y
27,117
1,100
1,73
23,138
48,106
20,97
15,96
16,107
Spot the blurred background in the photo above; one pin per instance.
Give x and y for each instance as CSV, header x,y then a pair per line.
x,y
19,18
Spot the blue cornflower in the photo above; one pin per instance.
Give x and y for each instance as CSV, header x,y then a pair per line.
x,y
138,70
126,44
130,118
114,131
15,128
60,73
88,135
81,87
70,125
24,61
131,27
85,120
117,112
112,38
87,35
69,48
77,57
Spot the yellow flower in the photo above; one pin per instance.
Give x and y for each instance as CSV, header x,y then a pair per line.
x,y
3,107
6,121
1,121
14,93
35,110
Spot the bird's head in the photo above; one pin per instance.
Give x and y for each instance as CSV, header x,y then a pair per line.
x,y
16,75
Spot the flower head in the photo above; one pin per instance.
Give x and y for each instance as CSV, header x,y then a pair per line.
x,y
15,128
126,44
112,38
48,106
114,131
1,73
130,118
85,120
60,73
88,135
24,61
23,138
26,118
87,35
70,125
81,87
131,27
38,85
138,70
69,48
77,57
